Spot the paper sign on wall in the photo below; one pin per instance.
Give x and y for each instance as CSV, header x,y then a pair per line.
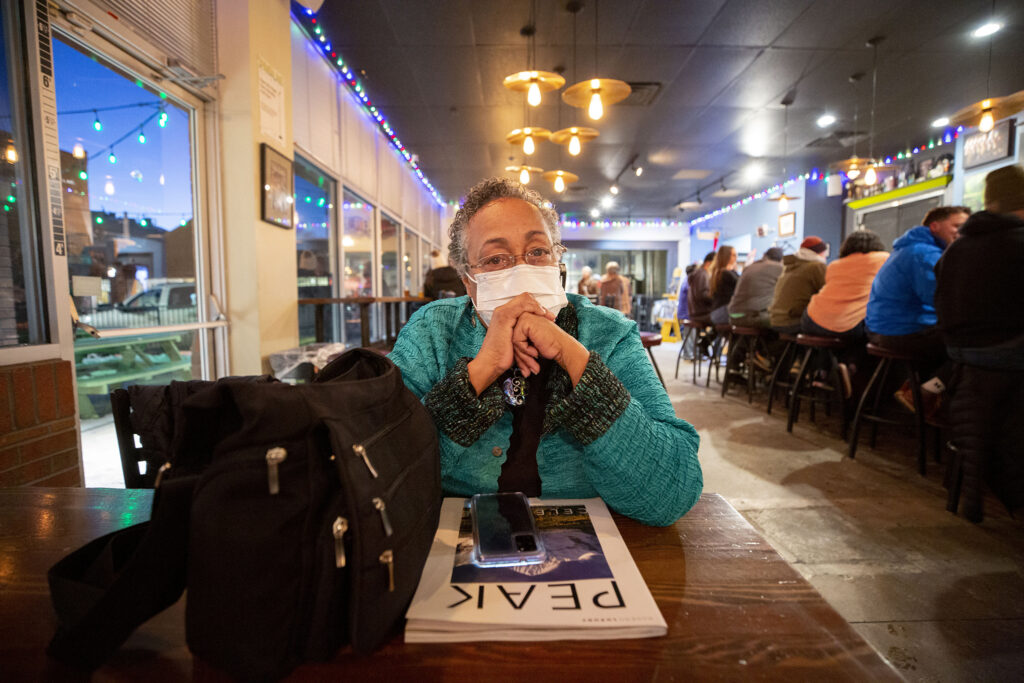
x,y
271,104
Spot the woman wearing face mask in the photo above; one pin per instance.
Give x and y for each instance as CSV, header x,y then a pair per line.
x,y
538,391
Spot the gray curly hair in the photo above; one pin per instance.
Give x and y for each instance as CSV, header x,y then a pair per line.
x,y
482,194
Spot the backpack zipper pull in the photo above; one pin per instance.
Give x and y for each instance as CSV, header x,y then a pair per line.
x,y
379,504
275,456
388,558
338,530
361,452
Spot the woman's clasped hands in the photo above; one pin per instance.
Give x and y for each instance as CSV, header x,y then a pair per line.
x,y
521,332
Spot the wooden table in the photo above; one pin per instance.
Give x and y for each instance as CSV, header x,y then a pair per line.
x,y
391,317
734,608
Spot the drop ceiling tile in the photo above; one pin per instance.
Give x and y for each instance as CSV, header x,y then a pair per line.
x,y
753,22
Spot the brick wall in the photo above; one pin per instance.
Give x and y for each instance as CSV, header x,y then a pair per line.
x,y
38,436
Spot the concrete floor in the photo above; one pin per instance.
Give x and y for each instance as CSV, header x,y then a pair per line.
x,y
940,598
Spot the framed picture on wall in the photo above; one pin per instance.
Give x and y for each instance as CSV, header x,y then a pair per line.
x,y
277,180
787,224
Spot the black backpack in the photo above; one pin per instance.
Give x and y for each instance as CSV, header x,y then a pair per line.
x,y
298,517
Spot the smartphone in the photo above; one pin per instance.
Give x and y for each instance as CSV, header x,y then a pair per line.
x,y
504,532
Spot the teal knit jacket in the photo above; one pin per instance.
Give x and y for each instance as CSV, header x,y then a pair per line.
x,y
615,435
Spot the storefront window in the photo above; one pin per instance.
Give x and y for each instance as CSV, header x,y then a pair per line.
x,y
425,262
390,274
357,257
315,248
410,264
126,171
21,295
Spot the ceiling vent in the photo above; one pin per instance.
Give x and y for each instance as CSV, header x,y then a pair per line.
x,y
839,138
642,94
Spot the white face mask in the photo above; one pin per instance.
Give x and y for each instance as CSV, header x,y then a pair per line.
x,y
500,287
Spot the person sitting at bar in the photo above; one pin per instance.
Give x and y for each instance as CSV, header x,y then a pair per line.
x,y
536,390
802,276
588,285
901,310
698,295
614,290
723,284
981,318
749,304
838,308
442,281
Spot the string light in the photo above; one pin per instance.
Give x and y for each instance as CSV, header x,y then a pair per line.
x,y
96,124
112,158
78,151
356,88
142,137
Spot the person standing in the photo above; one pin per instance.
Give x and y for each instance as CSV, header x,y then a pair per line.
x,y
980,316
901,310
614,291
588,285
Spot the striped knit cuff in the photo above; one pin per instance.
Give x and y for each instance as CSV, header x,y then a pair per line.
x,y
594,404
458,411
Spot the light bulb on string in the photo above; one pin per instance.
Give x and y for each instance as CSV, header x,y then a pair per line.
x,y
162,118
533,94
11,154
142,137
112,158
574,145
614,189
96,124
988,121
870,177
559,183
639,170
528,146
596,108
78,151
524,177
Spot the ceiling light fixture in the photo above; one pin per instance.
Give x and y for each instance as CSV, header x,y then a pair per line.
x,y
614,189
594,94
594,213
940,122
783,199
753,172
531,81
560,179
574,136
986,29
639,170
527,136
524,172
826,120
607,201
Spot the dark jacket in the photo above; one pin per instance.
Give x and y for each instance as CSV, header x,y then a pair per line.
x,y
726,288
903,293
443,279
801,279
978,294
699,296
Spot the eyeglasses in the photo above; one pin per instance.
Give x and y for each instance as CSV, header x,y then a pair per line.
x,y
538,256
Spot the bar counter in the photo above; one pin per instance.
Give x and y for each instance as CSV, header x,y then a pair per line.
x,y
734,608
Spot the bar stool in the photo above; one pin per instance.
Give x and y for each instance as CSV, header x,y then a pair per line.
x,y
815,346
650,340
746,342
783,368
723,339
877,385
689,329
700,333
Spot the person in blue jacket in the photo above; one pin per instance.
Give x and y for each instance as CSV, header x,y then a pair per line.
x,y
536,390
901,310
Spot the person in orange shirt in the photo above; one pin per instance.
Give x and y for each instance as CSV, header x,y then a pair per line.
x,y
838,309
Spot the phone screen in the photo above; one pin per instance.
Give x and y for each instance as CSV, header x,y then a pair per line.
x,y
504,532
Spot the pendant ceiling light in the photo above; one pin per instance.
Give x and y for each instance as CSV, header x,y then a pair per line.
x,y
985,113
593,94
573,136
528,137
855,167
524,172
783,199
531,81
560,179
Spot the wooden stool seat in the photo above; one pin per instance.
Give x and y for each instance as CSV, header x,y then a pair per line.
x,y
786,337
723,327
649,340
819,342
748,331
693,324
883,352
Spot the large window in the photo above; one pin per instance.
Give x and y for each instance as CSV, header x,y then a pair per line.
x,y
315,247
390,272
411,277
357,254
21,294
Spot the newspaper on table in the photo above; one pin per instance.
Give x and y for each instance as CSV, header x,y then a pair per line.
x,y
588,588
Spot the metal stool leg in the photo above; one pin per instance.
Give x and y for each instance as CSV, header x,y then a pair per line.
x,y
794,393
855,431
